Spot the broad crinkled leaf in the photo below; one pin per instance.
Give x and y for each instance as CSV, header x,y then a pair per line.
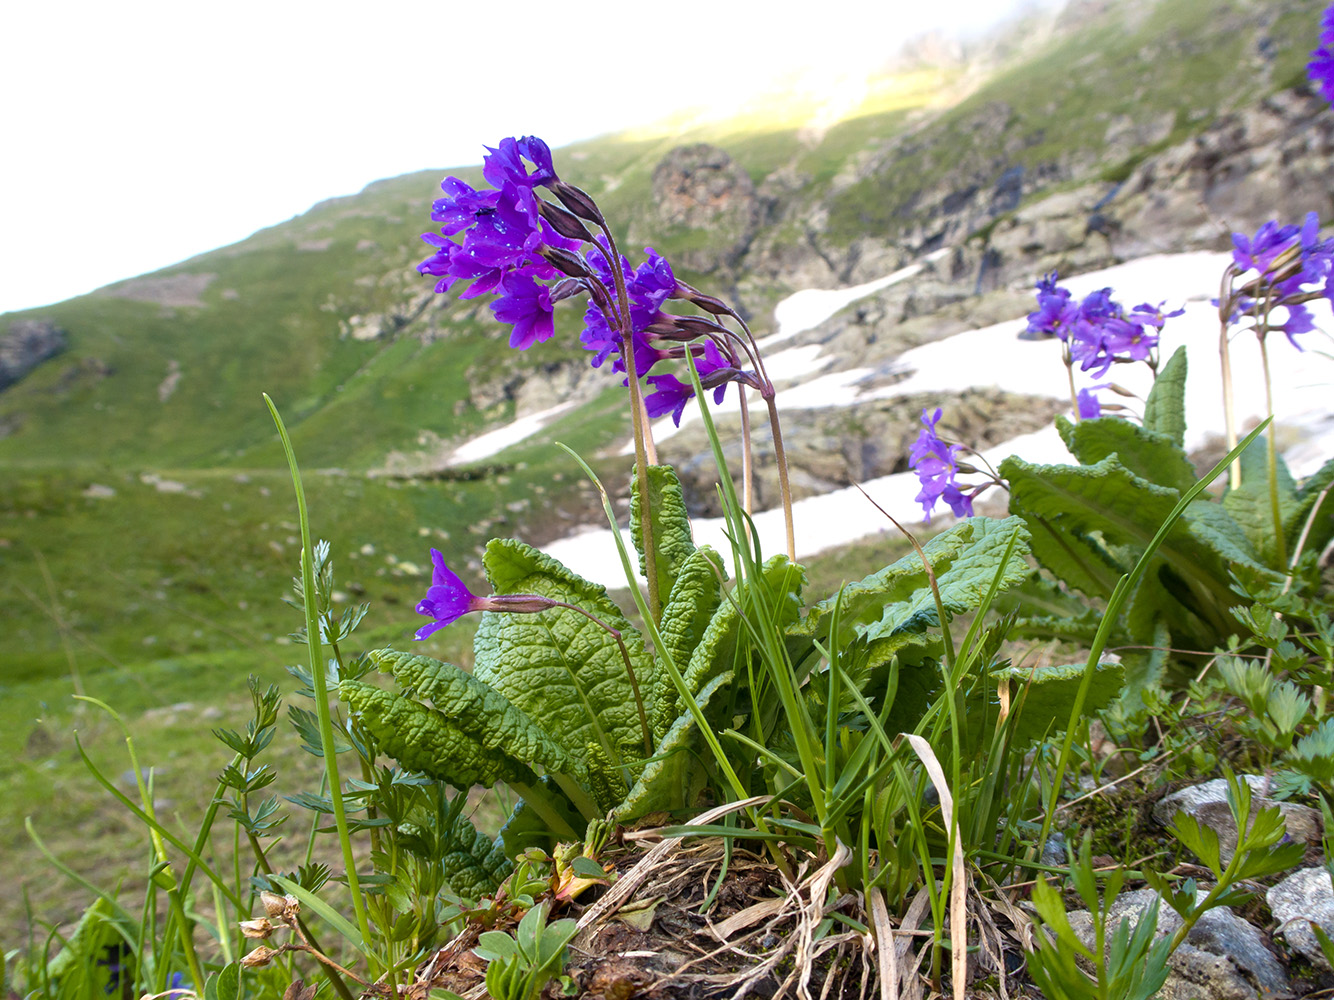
x,y
476,709
1148,454
1165,409
563,670
663,784
1126,510
670,521
1075,557
964,559
694,598
1049,693
424,739
474,866
965,579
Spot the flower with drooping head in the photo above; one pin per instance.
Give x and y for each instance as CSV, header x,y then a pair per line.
x,y
448,599
1089,407
1320,70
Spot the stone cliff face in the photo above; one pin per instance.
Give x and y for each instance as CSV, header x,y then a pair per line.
x,y
26,344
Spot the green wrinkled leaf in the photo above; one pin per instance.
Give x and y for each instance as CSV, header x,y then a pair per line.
x,y
1149,455
476,709
897,598
1048,693
561,669
1126,510
473,865
1165,409
526,827
673,541
426,740
666,780
694,599
964,579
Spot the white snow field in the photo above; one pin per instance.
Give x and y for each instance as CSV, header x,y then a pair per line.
x,y
995,356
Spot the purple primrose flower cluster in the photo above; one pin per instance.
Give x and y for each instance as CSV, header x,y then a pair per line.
x,y
532,253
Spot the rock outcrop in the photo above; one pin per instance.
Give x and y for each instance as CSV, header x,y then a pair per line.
x,y
26,344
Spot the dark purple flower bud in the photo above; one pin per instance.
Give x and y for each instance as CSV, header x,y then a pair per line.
x,y
527,305
564,222
578,202
698,299
565,262
566,288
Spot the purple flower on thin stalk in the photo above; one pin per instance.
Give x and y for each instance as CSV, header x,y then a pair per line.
x,y
1089,407
448,599
937,467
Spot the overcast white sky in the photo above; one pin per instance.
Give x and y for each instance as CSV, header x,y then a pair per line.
x,y
137,133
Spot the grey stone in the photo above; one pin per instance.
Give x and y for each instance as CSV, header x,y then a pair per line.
x,y
1222,958
1303,896
1207,803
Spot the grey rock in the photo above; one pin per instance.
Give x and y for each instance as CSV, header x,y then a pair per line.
x,y
1222,958
1303,896
1207,803
26,344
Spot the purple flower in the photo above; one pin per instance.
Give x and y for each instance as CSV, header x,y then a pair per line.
x,y
670,395
937,468
505,164
448,599
1089,407
1270,241
527,305
1320,70
1055,314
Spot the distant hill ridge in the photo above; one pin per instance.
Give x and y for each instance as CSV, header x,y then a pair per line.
x,y
1072,141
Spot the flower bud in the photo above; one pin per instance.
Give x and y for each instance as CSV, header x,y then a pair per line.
x,y
706,302
565,261
696,326
564,222
566,288
261,956
516,604
577,201
260,928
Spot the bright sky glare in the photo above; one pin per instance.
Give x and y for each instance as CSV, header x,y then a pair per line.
x,y
143,132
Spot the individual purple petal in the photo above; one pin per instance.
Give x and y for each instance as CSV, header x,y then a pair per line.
x,y
1320,70
527,305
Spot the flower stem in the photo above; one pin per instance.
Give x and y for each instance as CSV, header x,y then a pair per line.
x,y
1225,357
1070,377
747,455
780,456
640,422
1279,541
